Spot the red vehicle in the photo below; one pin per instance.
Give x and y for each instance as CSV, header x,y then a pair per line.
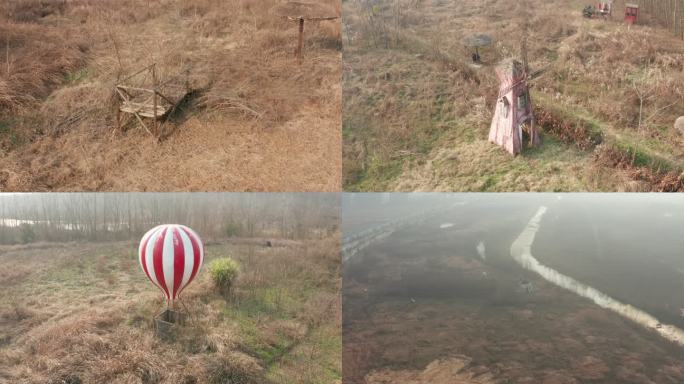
x,y
631,13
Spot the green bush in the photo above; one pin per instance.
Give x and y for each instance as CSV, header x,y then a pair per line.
x,y
224,271
232,229
27,233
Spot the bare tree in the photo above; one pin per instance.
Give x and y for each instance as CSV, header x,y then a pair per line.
x,y
116,216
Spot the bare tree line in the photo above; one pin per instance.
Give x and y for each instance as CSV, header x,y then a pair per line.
x,y
117,216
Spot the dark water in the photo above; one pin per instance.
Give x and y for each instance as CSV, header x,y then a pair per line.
x,y
631,247
428,281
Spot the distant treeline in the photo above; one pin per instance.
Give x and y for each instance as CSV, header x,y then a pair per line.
x,y
668,13
34,217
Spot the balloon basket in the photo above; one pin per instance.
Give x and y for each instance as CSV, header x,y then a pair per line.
x,y
167,321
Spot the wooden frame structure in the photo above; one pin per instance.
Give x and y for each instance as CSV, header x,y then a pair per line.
x,y
145,97
299,52
300,12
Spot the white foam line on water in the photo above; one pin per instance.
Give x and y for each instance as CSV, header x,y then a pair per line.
x,y
521,251
481,250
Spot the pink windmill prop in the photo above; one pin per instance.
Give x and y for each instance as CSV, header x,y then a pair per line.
x,y
170,255
513,122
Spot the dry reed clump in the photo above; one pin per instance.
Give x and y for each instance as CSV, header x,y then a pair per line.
x,y
75,345
292,262
32,10
16,312
195,8
274,94
66,107
266,84
36,62
574,132
607,70
235,368
96,346
260,263
645,179
320,308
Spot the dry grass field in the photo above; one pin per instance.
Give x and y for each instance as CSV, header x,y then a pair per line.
x,y
417,112
255,121
81,313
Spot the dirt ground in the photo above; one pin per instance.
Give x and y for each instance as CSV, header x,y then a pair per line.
x,y
82,313
255,121
447,317
417,111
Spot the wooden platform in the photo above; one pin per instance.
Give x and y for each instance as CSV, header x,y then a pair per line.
x,y
144,110
143,96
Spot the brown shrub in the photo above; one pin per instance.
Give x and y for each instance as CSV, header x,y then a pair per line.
x,y
574,132
647,179
236,368
37,61
27,11
66,107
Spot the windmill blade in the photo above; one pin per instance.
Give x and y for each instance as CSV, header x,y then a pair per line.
x,y
538,73
527,77
526,29
508,88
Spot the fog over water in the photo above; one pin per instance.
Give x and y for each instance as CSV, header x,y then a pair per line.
x,y
521,252
625,252
534,288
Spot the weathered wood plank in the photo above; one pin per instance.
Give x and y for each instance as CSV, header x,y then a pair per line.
x,y
145,110
155,100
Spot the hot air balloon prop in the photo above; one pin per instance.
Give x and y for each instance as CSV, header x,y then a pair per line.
x,y
171,256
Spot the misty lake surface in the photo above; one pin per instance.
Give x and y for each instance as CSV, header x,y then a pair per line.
x,y
455,268
630,247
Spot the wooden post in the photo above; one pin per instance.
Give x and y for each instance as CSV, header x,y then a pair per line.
x,y
300,45
8,57
154,98
187,80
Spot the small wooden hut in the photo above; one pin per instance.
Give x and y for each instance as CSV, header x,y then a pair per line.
x,y
513,123
631,13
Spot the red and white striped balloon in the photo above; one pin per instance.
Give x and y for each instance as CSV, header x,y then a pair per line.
x,y
171,255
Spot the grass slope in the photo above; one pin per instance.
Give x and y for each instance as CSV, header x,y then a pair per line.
x,y
256,121
417,114
81,313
